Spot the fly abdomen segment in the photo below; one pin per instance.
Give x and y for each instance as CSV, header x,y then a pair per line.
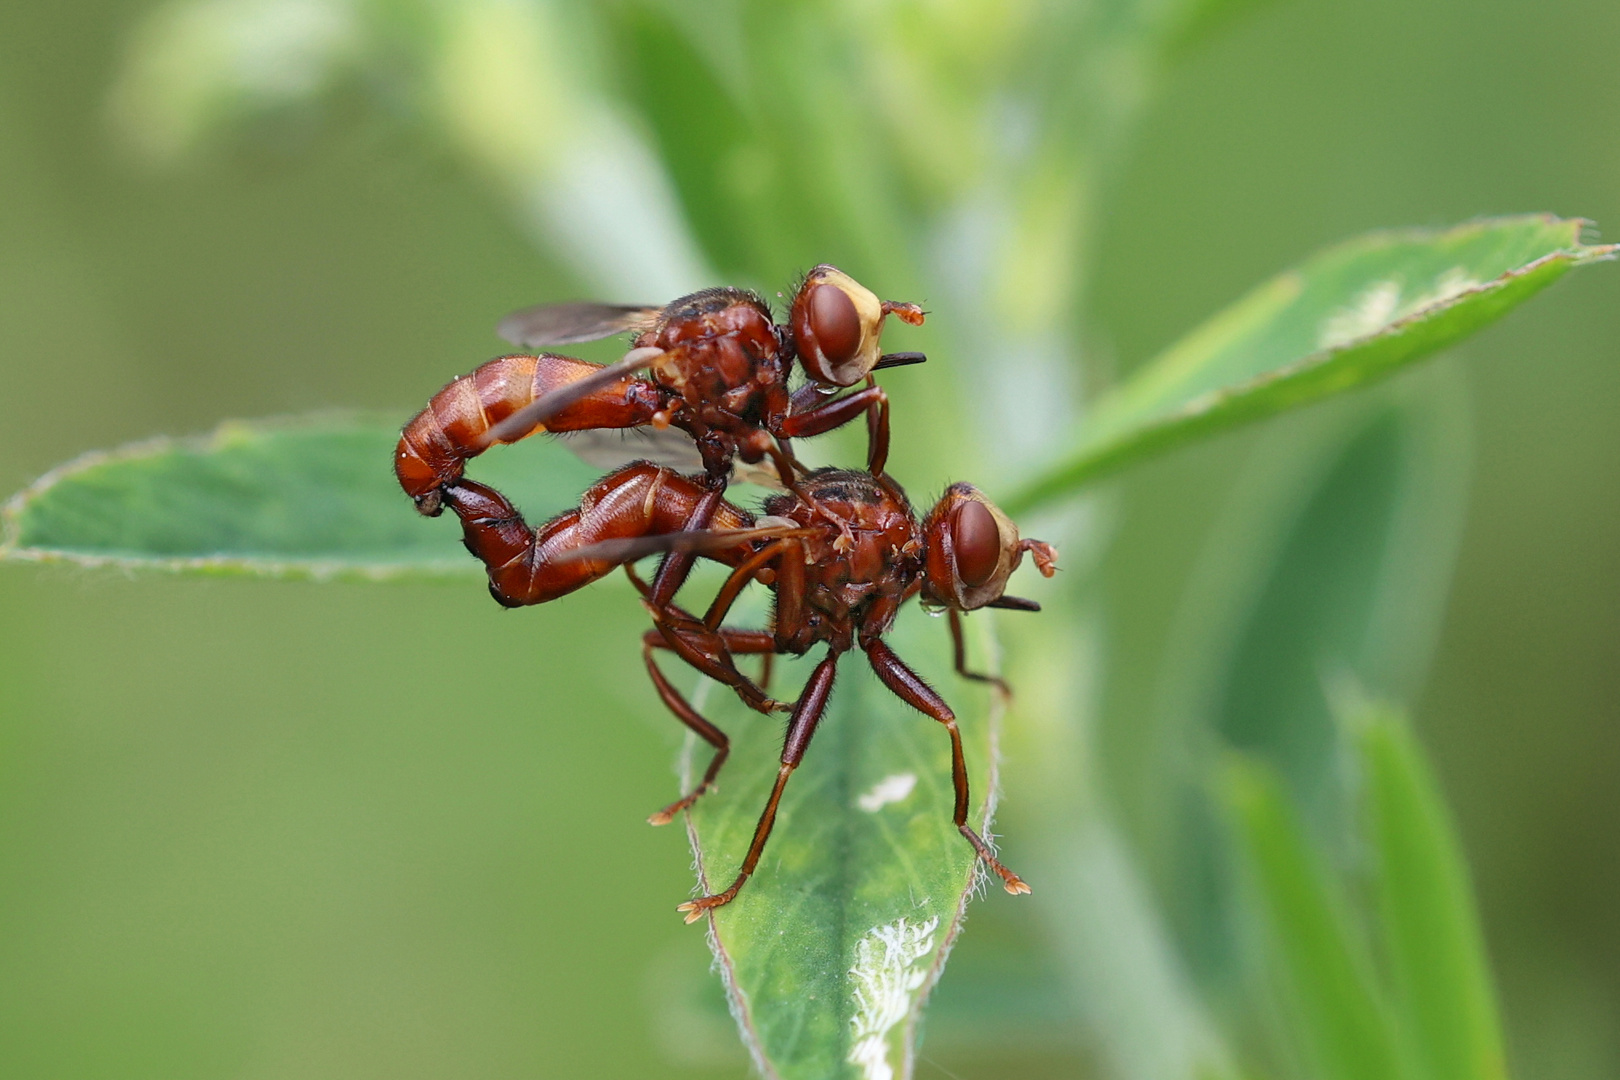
x,y
438,442
533,565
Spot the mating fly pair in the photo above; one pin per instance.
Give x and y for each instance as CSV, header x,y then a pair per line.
x,y
840,551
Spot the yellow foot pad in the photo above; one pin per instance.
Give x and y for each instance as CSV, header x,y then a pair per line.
x,y
695,909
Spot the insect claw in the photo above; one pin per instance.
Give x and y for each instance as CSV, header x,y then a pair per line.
x,y
1016,886
667,814
695,909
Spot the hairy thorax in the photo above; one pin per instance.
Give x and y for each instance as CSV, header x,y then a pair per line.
x,y
853,584
721,354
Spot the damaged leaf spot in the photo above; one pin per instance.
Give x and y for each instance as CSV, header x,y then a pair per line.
x,y
885,976
891,789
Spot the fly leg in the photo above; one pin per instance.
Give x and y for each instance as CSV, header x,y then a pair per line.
x,y
877,431
710,652
818,419
806,715
909,687
677,565
708,649
959,647
744,572
737,641
759,445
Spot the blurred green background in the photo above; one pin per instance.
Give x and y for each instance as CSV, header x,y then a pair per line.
x,y
288,830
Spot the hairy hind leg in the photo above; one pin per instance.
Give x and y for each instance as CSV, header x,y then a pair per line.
x,y
739,641
807,714
709,649
909,687
959,648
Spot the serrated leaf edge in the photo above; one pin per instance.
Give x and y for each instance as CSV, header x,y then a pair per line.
x,y
1089,466
319,570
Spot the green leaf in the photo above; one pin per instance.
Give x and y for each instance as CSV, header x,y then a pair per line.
x,y
312,498
1006,988
831,948
1352,314
1345,1022
1431,931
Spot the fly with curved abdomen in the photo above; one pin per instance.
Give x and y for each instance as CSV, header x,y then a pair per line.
x,y
837,587
717,367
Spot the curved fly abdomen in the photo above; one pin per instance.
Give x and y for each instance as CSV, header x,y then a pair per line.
x,y
533,565
437,443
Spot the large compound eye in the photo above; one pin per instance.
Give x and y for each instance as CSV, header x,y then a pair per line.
x,y
976,542
835,322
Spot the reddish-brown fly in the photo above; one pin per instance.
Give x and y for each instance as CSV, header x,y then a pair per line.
x,y
834,585
717,368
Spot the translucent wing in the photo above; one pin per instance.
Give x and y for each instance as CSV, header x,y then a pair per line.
x,y
610,448
563,324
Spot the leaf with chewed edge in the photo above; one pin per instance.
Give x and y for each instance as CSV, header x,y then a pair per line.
x,y
1352,314
830,950
300,498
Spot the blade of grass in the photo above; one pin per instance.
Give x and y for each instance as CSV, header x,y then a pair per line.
x,y
1431,931
1344,1021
